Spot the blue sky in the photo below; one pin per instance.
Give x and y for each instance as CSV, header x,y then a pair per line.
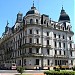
x,y
10,8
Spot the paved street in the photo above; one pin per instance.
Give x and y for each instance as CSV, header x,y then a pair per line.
x,y
13,72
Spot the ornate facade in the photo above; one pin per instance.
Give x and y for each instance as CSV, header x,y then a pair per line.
x,y
37,42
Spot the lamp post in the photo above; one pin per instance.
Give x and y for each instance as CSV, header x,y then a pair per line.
x,y
22,58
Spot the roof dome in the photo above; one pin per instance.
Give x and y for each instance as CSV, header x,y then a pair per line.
x,y
64,16
33,10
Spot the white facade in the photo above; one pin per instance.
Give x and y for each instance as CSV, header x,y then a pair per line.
x,y
37,42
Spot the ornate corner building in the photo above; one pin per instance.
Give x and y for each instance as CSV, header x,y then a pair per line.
x,y
35,41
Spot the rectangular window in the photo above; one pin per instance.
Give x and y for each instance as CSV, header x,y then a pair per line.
x,y
63,37
70,45
63,45
71,53
47,42
48,51
47,33
60,44
30,31
37,61
54,35
71,62
24,61
59,36
64,52
37,32
56,62
48,61
30,50
59,52
55,44
37,50
55,51
37,41
70,38
30,40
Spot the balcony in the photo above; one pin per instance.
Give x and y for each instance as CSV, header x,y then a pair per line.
x,y
47,37
71,49
33,54
60,56
31,45
48,46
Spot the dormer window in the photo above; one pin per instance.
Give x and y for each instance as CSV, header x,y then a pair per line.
x,y
31,21
63,28
45,22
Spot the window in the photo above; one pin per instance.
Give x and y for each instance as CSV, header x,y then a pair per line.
x,y
64,52
54,26
71,62
37,21
37,61
55,51
48,51
37,41
55,44
30,50
30,40
47,33
37,50
69,38
24,61
70,45
60,44
37,32
59,52
63,28
31,21
19,62
54,35
45,22
56,62
71,53
63,45
47,42
59,36
30,31
48,61
63,37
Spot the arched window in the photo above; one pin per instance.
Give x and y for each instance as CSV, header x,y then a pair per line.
x,y
37,21
45,22
31,21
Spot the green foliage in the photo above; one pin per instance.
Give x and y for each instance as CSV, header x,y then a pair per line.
x,y
74,68
57,69
59,73
20,69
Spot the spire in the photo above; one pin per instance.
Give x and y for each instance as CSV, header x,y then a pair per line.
x,y
33,3
33,7
62,7
7,23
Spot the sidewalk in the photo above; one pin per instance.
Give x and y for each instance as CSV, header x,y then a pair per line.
x,y
16,73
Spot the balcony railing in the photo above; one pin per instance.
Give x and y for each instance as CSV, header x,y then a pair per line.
x,y
60,56
32,45
48,46
33,54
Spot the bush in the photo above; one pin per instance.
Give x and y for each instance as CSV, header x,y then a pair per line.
x,y
20,69
59,73
57,69
74,68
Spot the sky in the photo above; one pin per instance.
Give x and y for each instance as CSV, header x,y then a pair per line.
x,y
10,8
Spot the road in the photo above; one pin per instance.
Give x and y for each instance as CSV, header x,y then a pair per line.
x,y
26,71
